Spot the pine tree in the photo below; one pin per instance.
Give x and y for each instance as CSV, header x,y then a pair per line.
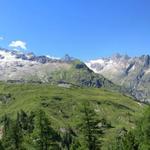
x,y
31,121
68,138
23,118
1,146
17,134
6,123
12,137
91,128
46,137
27,121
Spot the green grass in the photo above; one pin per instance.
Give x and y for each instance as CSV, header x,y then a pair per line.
x,y
62,105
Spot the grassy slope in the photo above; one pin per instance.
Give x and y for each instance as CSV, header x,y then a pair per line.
x,y
63,105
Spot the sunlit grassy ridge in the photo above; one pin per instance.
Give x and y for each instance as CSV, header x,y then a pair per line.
x,y
63,105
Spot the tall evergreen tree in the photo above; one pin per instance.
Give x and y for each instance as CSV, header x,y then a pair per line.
x,y
1,146
91,127
6,123
68,138
46,137
13,137
17,133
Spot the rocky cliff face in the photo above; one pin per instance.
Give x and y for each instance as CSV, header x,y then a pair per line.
x,y
130,72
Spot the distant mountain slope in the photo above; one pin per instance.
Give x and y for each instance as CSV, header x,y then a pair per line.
x,y
132,73
26,67
63,105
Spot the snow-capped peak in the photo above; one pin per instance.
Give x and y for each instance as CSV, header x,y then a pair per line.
x,y
53,57
6,56
13,55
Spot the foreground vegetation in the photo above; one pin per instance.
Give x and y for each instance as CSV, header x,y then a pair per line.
x,y
41,116
34,131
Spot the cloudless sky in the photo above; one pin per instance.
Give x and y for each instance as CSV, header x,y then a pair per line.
x,y
85,29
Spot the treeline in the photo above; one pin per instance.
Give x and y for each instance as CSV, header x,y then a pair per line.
x,y
34,131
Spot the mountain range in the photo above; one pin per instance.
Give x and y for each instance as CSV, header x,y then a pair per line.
x,y
130,75
18,66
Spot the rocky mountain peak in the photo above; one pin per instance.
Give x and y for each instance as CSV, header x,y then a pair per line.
x,y
146,60
119,56
68,58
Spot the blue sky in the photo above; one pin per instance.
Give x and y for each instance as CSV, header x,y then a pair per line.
x,y
85,29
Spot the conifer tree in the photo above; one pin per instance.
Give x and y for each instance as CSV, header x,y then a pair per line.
x,y
46,137
13,137
1,146
91,128
68,138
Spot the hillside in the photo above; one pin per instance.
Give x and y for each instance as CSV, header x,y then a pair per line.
x,y
62,105
130,72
